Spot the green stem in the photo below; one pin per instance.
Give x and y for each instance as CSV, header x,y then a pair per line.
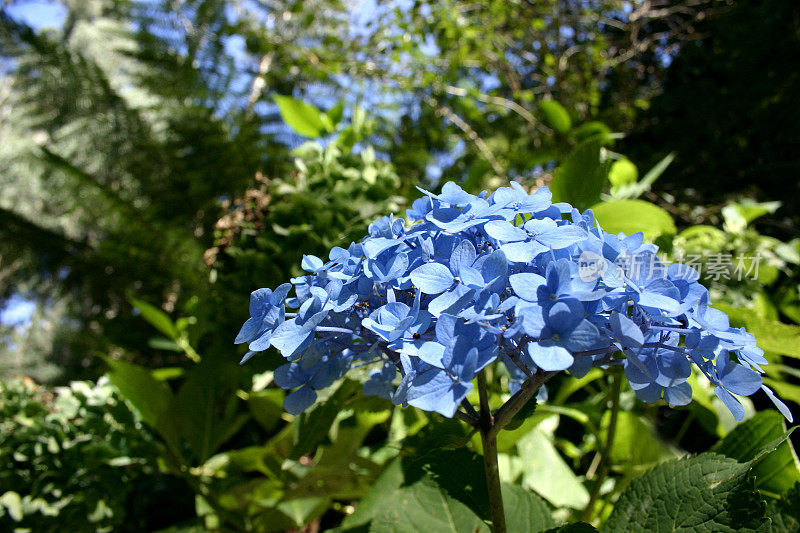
x,y
489,440
605,458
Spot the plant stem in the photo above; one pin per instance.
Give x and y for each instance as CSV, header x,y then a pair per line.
x,y
605,458
489,440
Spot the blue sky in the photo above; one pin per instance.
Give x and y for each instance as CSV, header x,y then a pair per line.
x,y
38,13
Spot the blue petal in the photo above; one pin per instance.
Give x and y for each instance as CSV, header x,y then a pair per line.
x,y
258,299
463,256
432,278
471,277
584,337
562,237
249,330
290,339
434,390
279,295
550,358
523,252
526,285
740,380
626,331
581,366
565,315
432,353
299,400
451,302
731,403
779,404
649,394
311,263
504,231
290,376
679,394
495,269
247,357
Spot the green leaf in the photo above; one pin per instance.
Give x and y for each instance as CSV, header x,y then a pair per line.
x,y
709,492
593,129
630,216
205,408
311,427
424,495
555,116
266,407
424,506
522,415
161,343
636,189
635,441
525,511
622,172
575,527
546,472
335,114
776,472
460,473
582,176
151,397
156,317
785,512
302,117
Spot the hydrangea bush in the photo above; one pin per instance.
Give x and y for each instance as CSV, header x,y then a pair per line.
x,y
509,278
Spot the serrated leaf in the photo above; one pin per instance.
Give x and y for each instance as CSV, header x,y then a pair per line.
x,y
460,473
784,513
424,506
304,118
525,511
709,492
778,471
630,216
575,527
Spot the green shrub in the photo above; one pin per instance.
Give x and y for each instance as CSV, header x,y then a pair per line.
x,y
70,458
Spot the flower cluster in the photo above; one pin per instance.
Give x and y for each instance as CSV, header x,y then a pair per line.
x,y
508,277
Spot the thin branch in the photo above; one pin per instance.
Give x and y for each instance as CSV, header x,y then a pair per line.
x,y
497,100
443,110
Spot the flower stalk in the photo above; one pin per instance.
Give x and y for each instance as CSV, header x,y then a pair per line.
x,y
489,441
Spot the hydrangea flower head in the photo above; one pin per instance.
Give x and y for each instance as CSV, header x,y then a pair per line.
x,y
507,278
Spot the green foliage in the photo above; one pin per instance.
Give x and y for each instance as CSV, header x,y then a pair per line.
x,y
704,493
555,116
75,456
149,172
261,237
630,216
303,118
582,176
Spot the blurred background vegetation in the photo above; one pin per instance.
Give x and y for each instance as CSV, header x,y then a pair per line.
x,y
160,159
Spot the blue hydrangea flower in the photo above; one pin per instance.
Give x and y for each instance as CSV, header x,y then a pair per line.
x,y
505,278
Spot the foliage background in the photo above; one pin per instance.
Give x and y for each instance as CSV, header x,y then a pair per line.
x,y
152,176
